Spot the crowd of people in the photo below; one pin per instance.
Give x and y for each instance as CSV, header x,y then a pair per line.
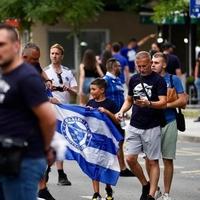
x,y
123,78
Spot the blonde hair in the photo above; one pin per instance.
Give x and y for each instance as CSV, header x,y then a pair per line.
x,y
58,46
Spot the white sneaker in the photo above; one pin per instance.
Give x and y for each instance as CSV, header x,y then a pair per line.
x,y
158,193
166,196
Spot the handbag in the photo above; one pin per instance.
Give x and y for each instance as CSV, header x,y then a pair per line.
x,y
11,154
160,112
180,120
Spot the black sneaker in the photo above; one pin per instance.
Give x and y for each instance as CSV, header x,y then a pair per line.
x,y
45,194
63,180
149,197
145,191
109,193
127,173
96,196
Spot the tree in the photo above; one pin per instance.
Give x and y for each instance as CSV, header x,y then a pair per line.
x,y
169,8
75,13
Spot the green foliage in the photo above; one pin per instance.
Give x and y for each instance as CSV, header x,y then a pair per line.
x,y
15,9
73,12
131,5
169,8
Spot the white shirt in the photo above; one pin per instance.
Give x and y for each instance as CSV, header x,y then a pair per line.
x,y
68,80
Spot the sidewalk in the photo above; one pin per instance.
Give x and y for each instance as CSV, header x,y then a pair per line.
x,y
192,132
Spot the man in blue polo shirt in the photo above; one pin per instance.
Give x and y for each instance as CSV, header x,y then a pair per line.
x,y
124,72
169,132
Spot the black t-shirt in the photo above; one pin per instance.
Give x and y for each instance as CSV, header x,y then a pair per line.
x,y
107,104
20,91
173,63
155,85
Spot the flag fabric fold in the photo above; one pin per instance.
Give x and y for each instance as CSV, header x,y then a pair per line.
x,y
92,140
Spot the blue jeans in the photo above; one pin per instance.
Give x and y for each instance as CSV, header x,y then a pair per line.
x,y
25,185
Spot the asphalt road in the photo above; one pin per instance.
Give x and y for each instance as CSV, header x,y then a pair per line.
x,y
186,183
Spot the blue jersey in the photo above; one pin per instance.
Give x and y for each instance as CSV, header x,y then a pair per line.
x,y
114,90
123,63
170,113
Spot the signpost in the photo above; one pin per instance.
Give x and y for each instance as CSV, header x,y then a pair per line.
x,y
195,8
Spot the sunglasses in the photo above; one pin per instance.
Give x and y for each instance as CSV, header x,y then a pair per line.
x,y
60,78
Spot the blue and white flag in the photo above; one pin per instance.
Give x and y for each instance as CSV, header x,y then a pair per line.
x,y
92,141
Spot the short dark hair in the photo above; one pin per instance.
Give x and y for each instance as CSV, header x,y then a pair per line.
x,y
116,47
99,82
110,64
30,46
167,45
13,32
132,40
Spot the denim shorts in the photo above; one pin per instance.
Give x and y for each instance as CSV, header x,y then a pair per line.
x,y
25,185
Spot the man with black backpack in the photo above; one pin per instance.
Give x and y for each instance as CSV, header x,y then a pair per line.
x,y
176,98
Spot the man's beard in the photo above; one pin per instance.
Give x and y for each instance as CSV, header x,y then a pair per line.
x,y
6,64
118,73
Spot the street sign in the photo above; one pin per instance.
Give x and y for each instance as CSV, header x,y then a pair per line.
x,y
195,8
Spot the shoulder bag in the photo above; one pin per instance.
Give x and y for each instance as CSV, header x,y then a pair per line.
x,y
180,119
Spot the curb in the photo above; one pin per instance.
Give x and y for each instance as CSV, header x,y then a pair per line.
x,y
186,138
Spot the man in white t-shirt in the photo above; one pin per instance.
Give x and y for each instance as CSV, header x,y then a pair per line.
x,y
63,86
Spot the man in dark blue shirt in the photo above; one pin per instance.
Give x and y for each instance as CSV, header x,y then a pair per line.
x,y
23,107
146,95
124,72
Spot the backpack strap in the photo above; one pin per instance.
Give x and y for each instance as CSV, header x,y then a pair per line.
x,y
171,81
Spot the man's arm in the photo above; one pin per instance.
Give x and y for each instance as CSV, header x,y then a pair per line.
x,y
46,79
145,39
81,78
160,104
71,90
126,74
180,102
125,107
47,122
